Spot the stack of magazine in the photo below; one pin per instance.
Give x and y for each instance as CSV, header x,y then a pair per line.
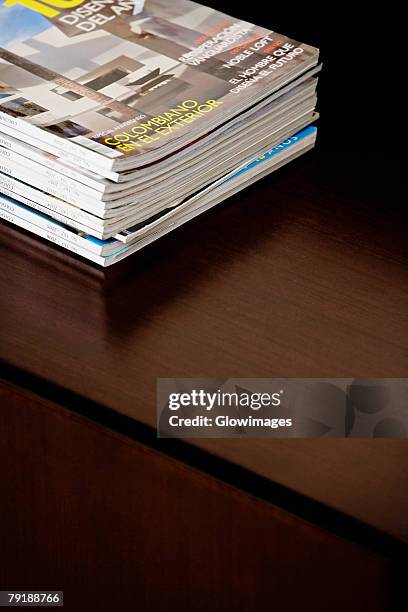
x,y
120,120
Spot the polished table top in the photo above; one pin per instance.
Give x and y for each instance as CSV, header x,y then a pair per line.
x,y
302,275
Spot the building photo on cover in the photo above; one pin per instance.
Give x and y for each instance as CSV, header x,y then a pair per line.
x,y
204,308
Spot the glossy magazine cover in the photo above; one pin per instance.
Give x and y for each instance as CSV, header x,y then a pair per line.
x,y
121,78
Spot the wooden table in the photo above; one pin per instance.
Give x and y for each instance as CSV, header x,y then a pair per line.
x,y
303,275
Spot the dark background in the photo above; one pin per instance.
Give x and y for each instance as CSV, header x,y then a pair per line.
x,y
359,87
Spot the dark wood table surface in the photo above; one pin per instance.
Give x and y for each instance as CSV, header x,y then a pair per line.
x,y
303,275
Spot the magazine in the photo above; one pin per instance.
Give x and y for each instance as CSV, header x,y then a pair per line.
x,y
106,223
109,87
250,124
121,119
45,179
106,253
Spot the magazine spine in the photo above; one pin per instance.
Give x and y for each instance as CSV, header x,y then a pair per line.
x,y
71,151
161,231
32,197
66,244
51,237
65,213
40,158
44,146
19,167
50,184
51,225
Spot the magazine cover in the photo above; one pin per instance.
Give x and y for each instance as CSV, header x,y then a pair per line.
x,y
123,77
